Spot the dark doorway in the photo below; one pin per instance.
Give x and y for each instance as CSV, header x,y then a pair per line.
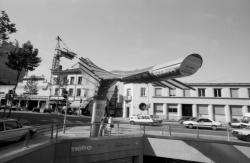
x,y
127,111
187,110
32,104
149,159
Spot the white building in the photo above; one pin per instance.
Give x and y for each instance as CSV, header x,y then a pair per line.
x,y
23,99
81,87
217,101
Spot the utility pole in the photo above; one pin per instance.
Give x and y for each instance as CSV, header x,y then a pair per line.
x,y
65,96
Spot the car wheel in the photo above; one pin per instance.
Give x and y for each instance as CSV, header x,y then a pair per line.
x,y
132,122
214,127
190,126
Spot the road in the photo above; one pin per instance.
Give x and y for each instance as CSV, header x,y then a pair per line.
x,y
34,118
177,130
169,129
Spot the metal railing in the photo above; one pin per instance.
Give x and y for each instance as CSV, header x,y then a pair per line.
x,y
55,132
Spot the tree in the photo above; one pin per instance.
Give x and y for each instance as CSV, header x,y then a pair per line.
x,y
6,27
31,87
23,59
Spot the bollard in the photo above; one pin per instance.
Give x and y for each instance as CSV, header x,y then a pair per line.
x,y
198,134
170,129
118,128
228,136
162,128
51,134
56,131
90,129
27,139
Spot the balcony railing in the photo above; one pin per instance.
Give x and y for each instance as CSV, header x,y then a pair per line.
x,y
128,98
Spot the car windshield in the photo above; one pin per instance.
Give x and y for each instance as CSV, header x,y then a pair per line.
x,y
248,127
235,120
246,119
193,119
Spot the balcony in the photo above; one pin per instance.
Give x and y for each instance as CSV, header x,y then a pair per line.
x,y
128,98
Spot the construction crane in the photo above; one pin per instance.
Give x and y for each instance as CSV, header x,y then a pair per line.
x,y
65,52
60,52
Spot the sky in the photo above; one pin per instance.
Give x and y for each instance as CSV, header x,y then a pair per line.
x,y
134,34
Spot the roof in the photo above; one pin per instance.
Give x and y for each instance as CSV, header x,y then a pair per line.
x,y
34,77
220,84
99,72
67,71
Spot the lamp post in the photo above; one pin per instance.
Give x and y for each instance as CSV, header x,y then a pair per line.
x,y
65,96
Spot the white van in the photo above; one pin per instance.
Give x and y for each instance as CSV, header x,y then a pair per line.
x,y
245,120
145,119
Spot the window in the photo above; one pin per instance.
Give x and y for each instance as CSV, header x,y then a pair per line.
x,y
217,92
79,80
129,92
86,93
9,125
71,92
200,120
201,92
207,120
143,92
1,126
56,81
172,92
78,92
158,108
186,92
65,80
249,92
234,92
172,108
158,92
72,80
56,91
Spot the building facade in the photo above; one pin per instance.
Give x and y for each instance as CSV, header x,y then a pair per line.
x,y
81,87
217,101
25,99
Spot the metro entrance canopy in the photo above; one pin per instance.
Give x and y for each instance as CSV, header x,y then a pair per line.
x,y
162,75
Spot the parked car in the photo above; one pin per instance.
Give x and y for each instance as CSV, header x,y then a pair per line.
x,y
13,130
235,123
145,119
242,134
202,122
245,122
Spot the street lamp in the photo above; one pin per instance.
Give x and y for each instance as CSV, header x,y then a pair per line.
x,y
65,96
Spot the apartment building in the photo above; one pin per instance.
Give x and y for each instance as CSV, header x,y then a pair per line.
x,y
81,87
217,101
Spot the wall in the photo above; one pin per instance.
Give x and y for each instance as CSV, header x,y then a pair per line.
x,y
132,148
197,150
